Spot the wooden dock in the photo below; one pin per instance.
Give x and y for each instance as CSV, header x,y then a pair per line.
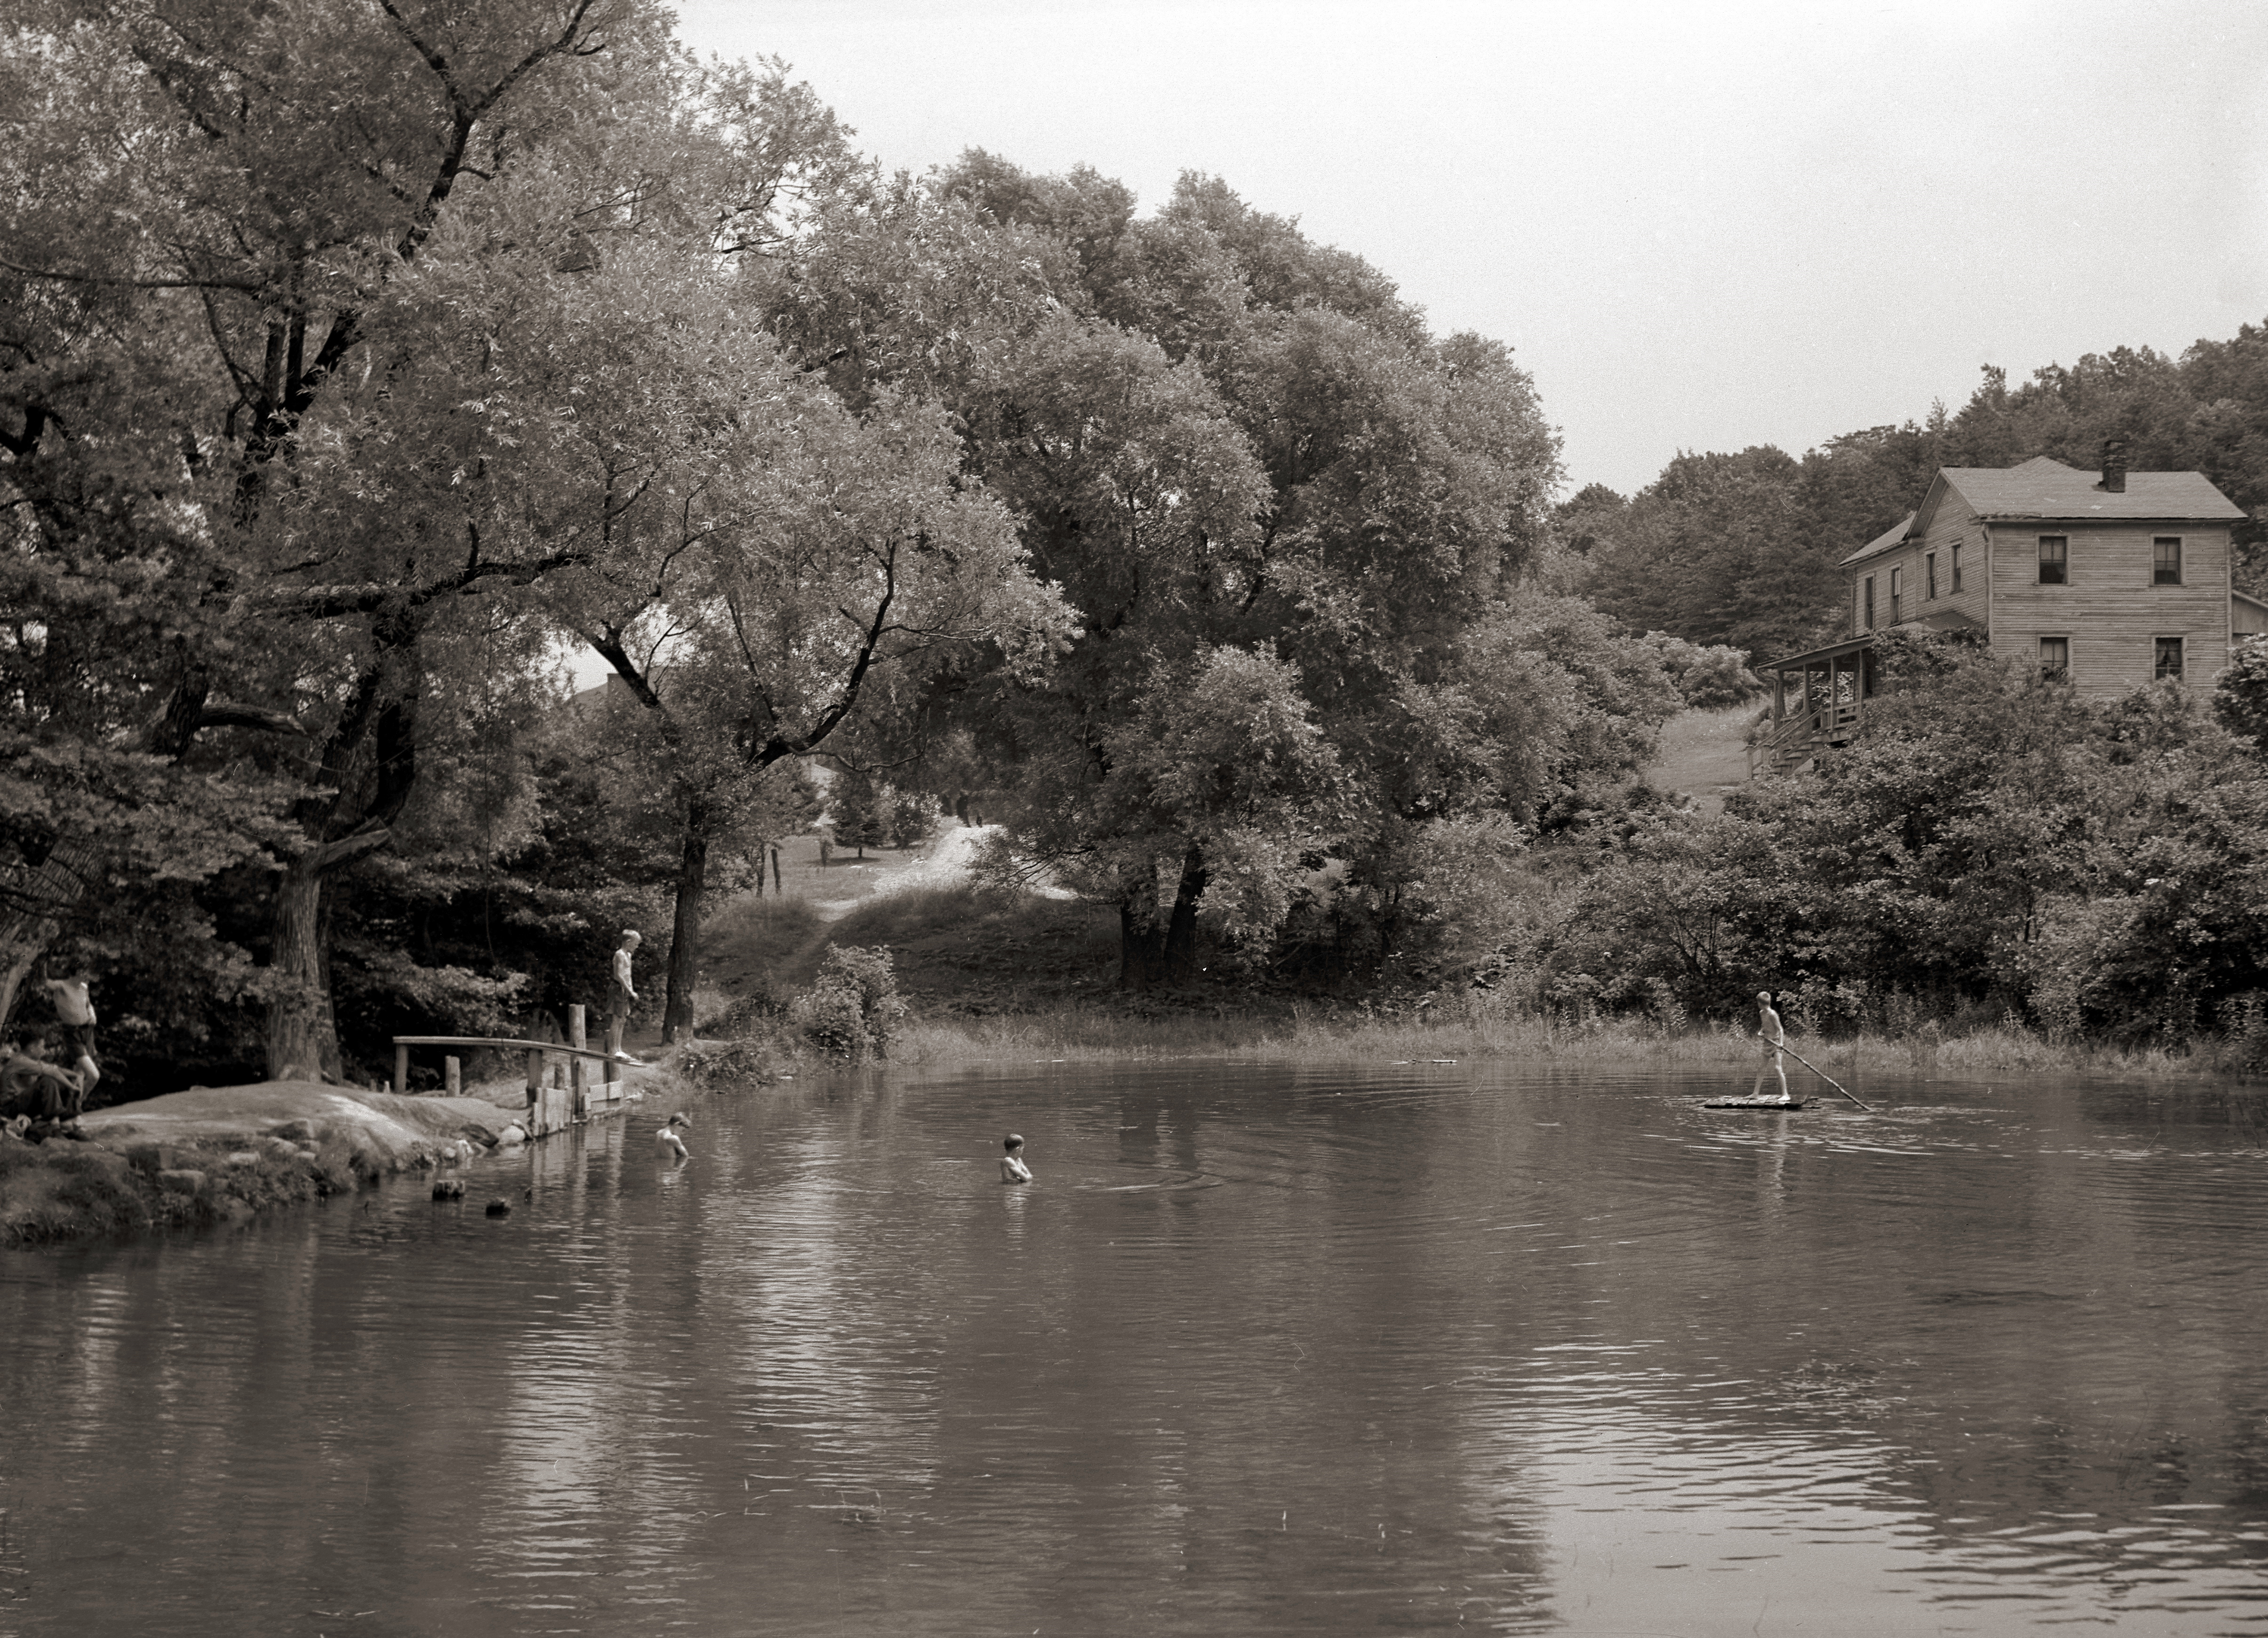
x,y
551,1107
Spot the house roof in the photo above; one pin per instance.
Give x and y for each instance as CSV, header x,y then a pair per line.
x,y
2042,488
1885,540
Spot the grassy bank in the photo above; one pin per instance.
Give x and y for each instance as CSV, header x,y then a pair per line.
x,y
1004,976
1078,1033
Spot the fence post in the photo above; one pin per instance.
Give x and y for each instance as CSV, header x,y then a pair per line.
x,y
535,1089
575,1072
400,1071
453,1076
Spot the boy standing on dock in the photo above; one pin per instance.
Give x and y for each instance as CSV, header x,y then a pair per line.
x,y
621,993
1775,1037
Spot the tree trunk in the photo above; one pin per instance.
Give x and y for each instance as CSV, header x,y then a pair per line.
x,y
1141,946
1181,946
370,767
327,1056
298,1010
685,938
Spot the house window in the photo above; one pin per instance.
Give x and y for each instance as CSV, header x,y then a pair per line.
x,y
1929,577
2166,567
2170,658
1956,568
1870,602
2053,552
1897,594
2055,659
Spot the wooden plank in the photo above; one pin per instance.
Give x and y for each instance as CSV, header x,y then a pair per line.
x,y
496,1040
1754,1104
575,1077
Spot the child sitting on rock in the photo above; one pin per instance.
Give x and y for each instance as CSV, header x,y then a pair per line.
x,y
30,1084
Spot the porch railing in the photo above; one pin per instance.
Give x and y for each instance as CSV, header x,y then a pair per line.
x,y
1796,739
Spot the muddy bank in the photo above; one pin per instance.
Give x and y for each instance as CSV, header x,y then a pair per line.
x,y
220,1154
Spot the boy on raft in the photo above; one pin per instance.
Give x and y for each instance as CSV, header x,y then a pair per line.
x,y
1774,1037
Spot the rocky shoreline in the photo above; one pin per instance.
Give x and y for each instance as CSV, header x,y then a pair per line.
x,y
225,1153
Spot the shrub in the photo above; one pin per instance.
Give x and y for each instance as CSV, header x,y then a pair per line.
x,y
709,1063
852,1008
1709,676
914,815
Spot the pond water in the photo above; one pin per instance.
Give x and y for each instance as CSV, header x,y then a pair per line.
x,y
1313,1350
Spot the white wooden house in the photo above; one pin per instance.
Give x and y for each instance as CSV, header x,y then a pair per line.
x,y
2108,579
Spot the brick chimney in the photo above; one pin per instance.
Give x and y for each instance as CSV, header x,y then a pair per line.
x,y
2114,466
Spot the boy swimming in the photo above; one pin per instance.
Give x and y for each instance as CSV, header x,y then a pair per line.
x,y
1012,1169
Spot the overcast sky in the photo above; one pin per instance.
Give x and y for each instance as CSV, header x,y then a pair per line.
x,y
1699,226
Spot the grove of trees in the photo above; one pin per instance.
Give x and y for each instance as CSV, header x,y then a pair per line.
x,y
360,360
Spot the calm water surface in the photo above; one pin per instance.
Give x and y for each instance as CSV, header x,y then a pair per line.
x,y
1310,1350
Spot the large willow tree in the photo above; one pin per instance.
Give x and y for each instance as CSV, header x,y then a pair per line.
x,y
342,348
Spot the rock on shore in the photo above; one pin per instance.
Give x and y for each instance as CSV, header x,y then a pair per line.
x,y
384,1131
222,1153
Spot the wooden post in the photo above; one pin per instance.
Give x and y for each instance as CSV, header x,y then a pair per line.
x,y
534,1077
453,1076
400,1071
575,1073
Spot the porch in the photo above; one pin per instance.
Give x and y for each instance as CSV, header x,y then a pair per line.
x,y
1817,700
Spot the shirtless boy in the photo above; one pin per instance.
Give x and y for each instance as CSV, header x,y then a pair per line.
x,y
1774,1037
75,1011
1012,1169
667,1141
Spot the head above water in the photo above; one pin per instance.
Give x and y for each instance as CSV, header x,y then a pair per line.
x,y
679,1119
1012,1142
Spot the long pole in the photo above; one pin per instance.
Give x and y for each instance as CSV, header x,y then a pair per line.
x,y
1822,1075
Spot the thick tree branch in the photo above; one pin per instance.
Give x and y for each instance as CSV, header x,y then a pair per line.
x,y
781,746
251,286
332,602
232,713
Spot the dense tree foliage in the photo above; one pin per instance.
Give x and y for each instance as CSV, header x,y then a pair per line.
x,y
1991,842
351,355
1263,486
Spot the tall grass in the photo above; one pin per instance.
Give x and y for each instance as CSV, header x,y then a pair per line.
x,y
1479,1031
758,928
905,913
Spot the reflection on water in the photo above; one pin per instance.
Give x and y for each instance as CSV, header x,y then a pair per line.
x,y
1262,1351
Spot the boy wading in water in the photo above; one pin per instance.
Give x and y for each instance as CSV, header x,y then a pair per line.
x,y
666,1140
1012,1169
1774,1037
